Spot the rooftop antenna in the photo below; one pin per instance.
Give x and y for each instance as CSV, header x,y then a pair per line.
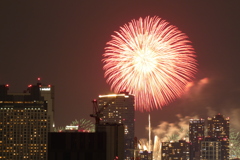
x,y
38,81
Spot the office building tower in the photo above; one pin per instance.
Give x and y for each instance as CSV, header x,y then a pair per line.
x,y
218,127
119,108
176,150
210,149
24,123
196,135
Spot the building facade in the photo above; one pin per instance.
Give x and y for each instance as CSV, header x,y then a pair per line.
x,y
210,149
146,155
196,135
119,108
176,150
218,127
25,121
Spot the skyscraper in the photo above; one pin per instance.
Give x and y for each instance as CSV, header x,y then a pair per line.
x,y
119,108
218,127
196,135
25,120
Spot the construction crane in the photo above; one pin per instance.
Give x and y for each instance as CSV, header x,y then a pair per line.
x,y
97,112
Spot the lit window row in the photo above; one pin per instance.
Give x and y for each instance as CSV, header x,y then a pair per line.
x,y
15,110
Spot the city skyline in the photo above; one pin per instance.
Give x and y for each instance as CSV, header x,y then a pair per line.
x,y
63,44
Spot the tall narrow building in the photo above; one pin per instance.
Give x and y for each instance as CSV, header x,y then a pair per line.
x,y
196,135
218,127
119,108
47,91
25,120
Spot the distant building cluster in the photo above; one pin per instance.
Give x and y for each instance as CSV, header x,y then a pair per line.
x,y
207,141
27,131
212,146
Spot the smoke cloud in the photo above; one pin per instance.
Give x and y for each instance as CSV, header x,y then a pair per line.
x,y
173,131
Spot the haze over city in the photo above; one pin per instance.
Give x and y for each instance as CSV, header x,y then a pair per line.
x,y
62,43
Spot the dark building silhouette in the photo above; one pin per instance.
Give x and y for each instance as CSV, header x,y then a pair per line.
x,y
115,140
105,144
176,150
76,146
196,135
25,120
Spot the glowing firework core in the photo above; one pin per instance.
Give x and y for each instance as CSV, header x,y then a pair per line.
x,y
152,60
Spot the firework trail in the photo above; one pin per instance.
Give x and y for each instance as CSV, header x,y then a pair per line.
x,y
152,60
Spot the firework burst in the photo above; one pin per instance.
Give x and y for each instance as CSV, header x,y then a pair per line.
x,y
152,60
84,124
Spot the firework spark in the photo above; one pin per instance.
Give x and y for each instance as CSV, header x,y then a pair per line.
x,y
83,125
234,143
152,60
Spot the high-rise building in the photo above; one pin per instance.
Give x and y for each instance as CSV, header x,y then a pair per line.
x,y
25,120
119,108
196,135
218,127
176,150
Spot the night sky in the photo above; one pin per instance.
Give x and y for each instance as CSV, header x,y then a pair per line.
x,y
63,42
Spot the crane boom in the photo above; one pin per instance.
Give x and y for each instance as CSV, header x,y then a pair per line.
x,y
97,112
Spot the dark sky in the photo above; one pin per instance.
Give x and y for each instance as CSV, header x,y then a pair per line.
x,y
63,43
